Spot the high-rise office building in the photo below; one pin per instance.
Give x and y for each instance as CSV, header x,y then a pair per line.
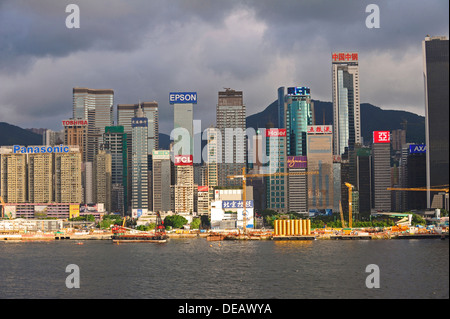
x,y
184,184
161,180
231,121
103,173
276,185
320,159
346,102
115,141
183,118
381,171
139,162
96,107
75,134
364,179
297,184
298,113
436,79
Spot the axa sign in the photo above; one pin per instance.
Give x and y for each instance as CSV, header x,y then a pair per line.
x,y
417,149
182,97
183,160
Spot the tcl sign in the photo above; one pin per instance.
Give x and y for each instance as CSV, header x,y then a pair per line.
x,y
183,160
276,132
381,137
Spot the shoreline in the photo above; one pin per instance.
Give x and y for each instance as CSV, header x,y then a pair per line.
x,y
228,236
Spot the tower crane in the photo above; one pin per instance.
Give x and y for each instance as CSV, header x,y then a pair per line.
x,y
350,204
244,177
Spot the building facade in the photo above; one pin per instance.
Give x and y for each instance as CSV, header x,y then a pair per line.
x,y
346,101
436,79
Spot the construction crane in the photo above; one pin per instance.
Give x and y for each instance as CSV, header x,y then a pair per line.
x,y
3,206
342,215
244,177
350,204
418,189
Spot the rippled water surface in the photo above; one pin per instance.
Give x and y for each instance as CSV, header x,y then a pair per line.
x,y
196,268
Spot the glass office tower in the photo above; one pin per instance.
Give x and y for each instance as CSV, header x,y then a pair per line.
x,y
436,76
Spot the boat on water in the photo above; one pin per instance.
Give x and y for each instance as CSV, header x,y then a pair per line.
x,y
122,234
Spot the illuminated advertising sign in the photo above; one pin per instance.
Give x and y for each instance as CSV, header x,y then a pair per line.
x,y
236,204
202,188
275,132
319,129
300,90
182,160
417,149
75,123
297,162
17,149
139,122
344,57
160,154
182,97
381,137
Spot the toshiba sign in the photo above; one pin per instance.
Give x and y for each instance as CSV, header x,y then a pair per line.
x,y
183,160
274,132
381,137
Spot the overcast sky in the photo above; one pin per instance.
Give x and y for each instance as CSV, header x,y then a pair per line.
x,y
144,49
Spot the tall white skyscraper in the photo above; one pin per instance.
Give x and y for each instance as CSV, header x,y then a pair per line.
x,y
95,106
346,102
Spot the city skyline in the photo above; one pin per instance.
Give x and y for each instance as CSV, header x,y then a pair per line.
x,y
203,48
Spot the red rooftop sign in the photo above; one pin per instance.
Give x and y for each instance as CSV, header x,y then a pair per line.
x,y
381,137
345,57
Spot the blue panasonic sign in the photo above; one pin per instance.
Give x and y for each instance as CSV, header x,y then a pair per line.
x,y
417,149
183,97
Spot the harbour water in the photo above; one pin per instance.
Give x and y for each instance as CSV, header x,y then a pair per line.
x,y
198,269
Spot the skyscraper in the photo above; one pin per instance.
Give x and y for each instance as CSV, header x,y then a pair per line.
x,y
381,171
231,121
68,187
161,180
436,77
115,141
320,159
346,102
13,183
40,178
276,186
139,187
95,106
298,114
103,173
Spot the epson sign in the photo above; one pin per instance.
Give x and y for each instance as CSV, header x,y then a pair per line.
x,y
182,97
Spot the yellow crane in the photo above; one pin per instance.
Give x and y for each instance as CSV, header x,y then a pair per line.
x,y
418,189
350,204
244,177
3,206
342,215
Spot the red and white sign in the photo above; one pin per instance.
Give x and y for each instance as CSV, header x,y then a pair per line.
x,y
183,160
75,123
202,188
320,129
381,137
344,57
275,132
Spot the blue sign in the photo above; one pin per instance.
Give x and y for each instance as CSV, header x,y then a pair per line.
x,y
300,90
182,97
237,204
417,149
139,122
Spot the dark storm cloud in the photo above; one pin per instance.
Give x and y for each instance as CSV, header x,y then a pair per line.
x,y
145,49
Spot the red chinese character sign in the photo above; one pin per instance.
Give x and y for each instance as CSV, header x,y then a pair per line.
x,y
344,57
319,129
381,137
